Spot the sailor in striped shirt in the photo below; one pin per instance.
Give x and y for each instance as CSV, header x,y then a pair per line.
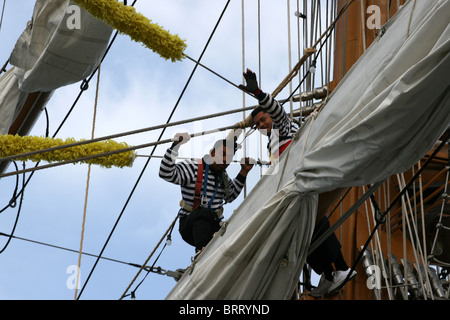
x,y
327,259
270,118
199,221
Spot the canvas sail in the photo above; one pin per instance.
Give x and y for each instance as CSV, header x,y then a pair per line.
x,y
384,116
61,45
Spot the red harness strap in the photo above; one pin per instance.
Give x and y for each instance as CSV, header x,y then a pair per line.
x,y
198,185
281,149
284,146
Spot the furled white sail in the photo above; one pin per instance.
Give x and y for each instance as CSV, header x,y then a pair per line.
x,y
386,114
61,45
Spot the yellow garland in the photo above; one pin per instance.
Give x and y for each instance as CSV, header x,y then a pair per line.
x,y
13,145
140,29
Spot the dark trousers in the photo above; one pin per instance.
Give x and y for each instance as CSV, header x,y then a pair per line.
x,y
328,253
198,228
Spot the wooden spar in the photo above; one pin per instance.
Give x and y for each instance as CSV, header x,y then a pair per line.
x,y
30,112
27,116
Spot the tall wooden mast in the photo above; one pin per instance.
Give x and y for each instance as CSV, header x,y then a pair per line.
x,y
355,32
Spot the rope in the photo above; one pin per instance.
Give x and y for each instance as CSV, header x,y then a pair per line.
x,y
248,122
3,11
143,130
379,221
439,224
375,211
243,92
69,249
87,187
141,146
18,210
416,249
148,259
154,148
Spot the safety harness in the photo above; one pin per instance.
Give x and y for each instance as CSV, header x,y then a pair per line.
x,y
198,185
199,198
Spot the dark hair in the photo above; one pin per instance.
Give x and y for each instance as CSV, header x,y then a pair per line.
x,y
257,110
226,143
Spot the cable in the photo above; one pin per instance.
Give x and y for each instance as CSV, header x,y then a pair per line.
x,y
154,148
3,11
330,31
99,155
18,211
148,129
67,249
380,220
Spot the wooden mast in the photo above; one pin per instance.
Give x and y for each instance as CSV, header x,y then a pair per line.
x,y
353,37
27,116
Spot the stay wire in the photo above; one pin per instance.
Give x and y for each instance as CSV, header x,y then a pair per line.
x,y
330,32
154,148
83,87
198,63
173,224
68,249
3,11
18,211
169,237
382,216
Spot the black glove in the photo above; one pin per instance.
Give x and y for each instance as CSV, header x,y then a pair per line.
x,y
252,83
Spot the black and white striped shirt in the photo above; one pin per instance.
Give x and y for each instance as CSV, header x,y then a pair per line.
x,y
185,174
285,129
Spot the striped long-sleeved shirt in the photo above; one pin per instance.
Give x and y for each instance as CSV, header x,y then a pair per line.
x,y
185,174
283,128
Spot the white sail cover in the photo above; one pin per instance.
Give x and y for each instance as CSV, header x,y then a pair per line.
x,y
386,114
63,44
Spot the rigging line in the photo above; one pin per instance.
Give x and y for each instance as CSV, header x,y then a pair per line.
x,y
83,224
149,257
85,83
257,162
99,155
344,217
243,68
154,148
328,33
379,222
378,258
67,249
151,269
13,202
3,11
399,195
83,88
323,227
133,293
218,75
413,236
84,142
4,67
439,224
18,211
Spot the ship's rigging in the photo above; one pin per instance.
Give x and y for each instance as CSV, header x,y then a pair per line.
x,y
308,84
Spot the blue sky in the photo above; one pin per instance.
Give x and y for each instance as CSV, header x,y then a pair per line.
x,y
138,89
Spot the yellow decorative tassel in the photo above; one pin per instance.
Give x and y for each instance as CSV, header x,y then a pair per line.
x,y
13,145
140,29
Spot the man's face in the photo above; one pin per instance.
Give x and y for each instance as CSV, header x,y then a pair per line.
x,y
221,158
263,122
